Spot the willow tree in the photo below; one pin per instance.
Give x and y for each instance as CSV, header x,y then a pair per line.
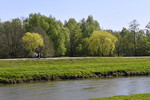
x,y
31,41
102,43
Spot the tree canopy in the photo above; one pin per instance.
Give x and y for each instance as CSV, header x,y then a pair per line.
x,y
31,41
102,43
71,38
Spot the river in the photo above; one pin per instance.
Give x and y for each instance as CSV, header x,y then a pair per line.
x,y
75,89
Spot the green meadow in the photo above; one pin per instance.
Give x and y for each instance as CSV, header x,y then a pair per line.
x,y
17,71
145,96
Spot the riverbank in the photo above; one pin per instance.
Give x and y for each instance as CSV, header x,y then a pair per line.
x,y
26,70
145,96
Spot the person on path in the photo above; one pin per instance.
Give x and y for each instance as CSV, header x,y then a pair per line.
x,y
32,55
39,55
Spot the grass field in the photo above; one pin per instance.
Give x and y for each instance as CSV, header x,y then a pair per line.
x,y
16,71
127,97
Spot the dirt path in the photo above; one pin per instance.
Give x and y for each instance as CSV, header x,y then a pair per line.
x,y
57,58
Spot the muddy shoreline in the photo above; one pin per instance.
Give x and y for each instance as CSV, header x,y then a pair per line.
x,y
67,77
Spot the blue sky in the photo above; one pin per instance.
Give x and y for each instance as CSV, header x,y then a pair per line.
x,y
111,14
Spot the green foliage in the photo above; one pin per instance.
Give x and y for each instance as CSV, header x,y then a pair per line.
x,y
71,38
148,29
35,20
102,43
89,26
11,33
67,40
119,45
75,37
48,49
57,34
32,41
124,32
134,32
60,38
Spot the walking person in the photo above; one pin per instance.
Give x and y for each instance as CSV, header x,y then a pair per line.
x,y
32,55
39,55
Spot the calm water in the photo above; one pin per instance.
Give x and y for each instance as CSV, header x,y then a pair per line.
x,y
75,89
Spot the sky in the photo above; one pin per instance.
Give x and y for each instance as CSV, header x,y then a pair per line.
x,y
111,14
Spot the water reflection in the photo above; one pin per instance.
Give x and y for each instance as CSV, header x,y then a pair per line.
x,y
75,89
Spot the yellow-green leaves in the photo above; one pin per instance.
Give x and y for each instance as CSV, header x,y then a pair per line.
x,y
102,43
31,41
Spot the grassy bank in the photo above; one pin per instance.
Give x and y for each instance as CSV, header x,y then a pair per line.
x,y
127,97
16,71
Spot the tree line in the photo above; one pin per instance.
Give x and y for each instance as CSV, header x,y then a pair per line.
x,y
71,38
